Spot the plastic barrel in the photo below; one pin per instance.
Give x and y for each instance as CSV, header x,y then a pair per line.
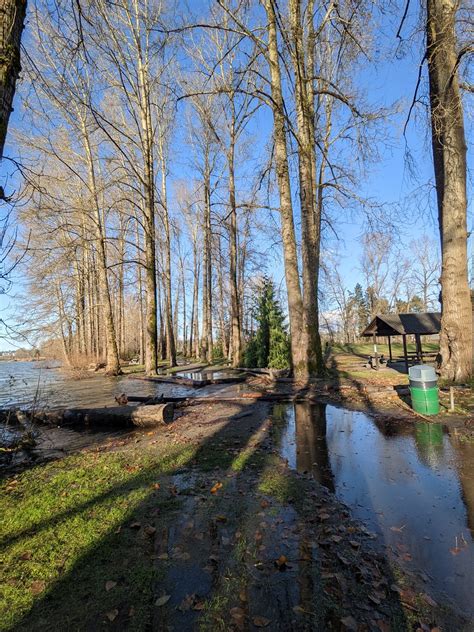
x,y
425,400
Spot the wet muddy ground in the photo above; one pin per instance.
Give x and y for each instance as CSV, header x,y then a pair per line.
x,y
412,484
295,517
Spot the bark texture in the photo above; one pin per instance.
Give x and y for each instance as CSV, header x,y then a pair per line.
x,y
299,342
449,157
12,17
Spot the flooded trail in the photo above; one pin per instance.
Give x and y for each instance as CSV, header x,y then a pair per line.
x,y
412,484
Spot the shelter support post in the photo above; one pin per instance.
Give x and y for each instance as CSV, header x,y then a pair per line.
x,y
376,355
419,349
390,348
405,352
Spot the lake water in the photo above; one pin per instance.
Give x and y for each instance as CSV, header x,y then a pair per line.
x,y
26,384
411,483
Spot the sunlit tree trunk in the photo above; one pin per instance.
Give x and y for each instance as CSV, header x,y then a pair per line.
x,y
207,342
310,211
299,340
170,342
449,157
113,363
236,332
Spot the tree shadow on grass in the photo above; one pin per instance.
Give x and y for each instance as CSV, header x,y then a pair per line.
x,y
136,545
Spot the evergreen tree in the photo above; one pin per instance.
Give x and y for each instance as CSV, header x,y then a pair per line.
x,y
361,308
270,347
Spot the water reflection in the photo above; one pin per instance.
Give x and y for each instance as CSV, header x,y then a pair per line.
x,y
309,453
411,483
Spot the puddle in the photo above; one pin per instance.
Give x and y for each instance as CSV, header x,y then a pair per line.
x,y
210,375
412,484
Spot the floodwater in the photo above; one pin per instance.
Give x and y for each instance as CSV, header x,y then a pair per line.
x,y
45,385
411,484
204,376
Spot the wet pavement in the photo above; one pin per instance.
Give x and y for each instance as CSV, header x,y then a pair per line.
x,y
411,483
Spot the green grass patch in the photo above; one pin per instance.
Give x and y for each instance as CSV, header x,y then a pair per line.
x,y
367,348
66,531
282,485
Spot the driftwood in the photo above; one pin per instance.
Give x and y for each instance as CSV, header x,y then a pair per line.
x,y
120,416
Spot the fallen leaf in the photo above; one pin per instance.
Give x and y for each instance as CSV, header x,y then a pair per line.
x,y
135,525
149,530
243,596
264,504
238,618
26,556
237,612
215,487
161,601
109,585
112,615
455,550
281,563
354,544
299,610
156,486
261,622
398,529
187,603
37,586
349,623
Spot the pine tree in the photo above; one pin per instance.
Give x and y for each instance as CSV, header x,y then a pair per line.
x,y
270,347
361,308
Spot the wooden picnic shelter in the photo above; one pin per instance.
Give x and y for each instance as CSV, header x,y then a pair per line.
x,y
416,324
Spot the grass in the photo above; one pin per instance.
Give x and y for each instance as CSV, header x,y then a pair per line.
x,y
367,348
280,484
61,519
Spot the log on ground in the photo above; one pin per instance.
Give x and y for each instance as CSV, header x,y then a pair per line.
x,y
119,416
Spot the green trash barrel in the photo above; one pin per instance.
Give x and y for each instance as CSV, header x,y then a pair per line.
x,y
424,389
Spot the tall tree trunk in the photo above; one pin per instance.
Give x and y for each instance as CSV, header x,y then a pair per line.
x,y
310,211
12,17
151,343
185,325
449,157
113,363
207,342
195,321
299,341
171,343
236,332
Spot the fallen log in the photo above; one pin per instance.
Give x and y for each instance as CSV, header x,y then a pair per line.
x,y
156,400
118,416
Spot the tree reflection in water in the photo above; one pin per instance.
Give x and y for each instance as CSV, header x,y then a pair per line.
x,y
312,454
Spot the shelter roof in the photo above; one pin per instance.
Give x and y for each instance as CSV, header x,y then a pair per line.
x,y
423,323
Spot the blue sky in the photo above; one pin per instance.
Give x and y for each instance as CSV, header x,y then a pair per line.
x,y
386,81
